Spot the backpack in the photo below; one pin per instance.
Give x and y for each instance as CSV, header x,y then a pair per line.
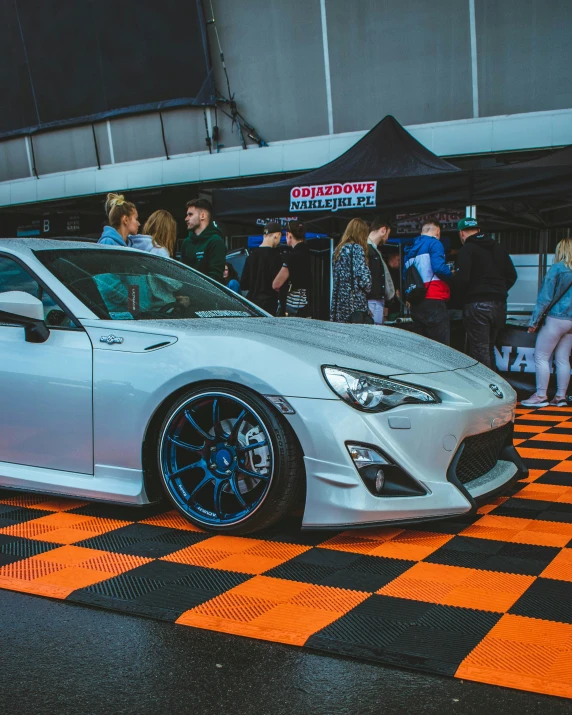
x,y
414,287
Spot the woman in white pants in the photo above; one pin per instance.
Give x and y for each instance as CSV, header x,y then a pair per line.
x,y
555,337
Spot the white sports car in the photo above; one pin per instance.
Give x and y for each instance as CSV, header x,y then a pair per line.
x,y
125,376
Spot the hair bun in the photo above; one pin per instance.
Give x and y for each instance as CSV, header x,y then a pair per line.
x,y
114,200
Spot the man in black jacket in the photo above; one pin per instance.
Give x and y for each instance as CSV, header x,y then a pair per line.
x,y
262,267
484,275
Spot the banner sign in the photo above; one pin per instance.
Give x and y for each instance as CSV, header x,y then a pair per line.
x,y
331,197
283,221
407,224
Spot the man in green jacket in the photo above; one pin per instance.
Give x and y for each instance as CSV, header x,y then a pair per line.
x,y
204,248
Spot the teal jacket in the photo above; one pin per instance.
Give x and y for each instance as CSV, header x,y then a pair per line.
x,y
110,237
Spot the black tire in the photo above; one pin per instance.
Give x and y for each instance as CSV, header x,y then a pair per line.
x,y
286,481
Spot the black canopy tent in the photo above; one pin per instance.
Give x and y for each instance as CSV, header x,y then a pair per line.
x,y
406,174
537,193
410,178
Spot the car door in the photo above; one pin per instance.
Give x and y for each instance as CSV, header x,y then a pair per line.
x,y
46,415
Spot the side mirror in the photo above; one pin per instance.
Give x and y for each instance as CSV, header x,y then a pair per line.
x,y
19,308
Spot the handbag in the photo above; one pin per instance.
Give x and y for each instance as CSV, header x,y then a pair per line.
x,y
553,302
362,317
296,301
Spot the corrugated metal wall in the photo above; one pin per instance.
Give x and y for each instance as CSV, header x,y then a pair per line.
x,y
411,59
524,55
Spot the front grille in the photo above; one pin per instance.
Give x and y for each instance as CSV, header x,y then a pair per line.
x,y
481,452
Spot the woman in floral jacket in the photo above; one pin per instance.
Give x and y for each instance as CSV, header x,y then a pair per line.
x,y
352,278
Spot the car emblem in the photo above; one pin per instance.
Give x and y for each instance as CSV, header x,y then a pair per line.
x,y
226,461
110,339
497,392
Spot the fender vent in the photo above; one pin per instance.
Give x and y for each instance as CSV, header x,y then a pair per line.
x,y
158,345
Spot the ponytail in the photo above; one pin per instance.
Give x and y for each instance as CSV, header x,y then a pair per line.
x,y
116,207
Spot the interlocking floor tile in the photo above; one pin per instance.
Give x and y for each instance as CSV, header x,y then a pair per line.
x,y
528,653
341,570
523,531
117,511
274,609
484,596
536,509
235,553
171,519
564,466
459,586
547,492
547,599
560,568
491,555
390,542
413,634
12,516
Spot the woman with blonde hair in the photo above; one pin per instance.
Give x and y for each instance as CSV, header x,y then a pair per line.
x,y
352,277
554,303
159,235
123,221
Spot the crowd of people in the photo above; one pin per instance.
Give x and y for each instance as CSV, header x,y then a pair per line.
x,y
481,279
268,275
365,286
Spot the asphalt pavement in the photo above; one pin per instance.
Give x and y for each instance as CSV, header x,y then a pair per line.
x,y
62,658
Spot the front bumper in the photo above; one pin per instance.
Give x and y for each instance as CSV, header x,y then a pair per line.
x,y
335,493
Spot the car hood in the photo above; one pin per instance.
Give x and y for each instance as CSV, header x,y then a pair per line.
x,y
386,351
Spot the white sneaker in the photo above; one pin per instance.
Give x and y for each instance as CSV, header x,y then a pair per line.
x,y
558,402
535,401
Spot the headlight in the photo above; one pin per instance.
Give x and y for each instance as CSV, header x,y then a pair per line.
x,y
371,393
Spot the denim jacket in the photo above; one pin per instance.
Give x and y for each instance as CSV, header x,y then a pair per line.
x,y
555,291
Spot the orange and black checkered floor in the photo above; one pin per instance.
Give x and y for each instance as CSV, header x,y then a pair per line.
x,y
486,597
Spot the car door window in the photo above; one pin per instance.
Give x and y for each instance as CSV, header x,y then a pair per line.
x,y
14,277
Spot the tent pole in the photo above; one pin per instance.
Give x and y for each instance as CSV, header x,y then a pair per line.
x,y
331,272
401,300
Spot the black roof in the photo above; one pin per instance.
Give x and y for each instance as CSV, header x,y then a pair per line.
x,y
407,174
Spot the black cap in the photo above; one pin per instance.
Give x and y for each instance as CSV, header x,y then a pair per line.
x,y
273,227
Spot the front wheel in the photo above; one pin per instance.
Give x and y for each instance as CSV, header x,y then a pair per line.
x,y
227,461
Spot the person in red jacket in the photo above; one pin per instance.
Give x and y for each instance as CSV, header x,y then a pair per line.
x,y
430,316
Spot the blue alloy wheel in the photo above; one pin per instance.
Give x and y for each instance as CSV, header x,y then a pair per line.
x,y
216,458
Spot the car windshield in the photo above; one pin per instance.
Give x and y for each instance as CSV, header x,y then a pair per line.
x,y
124,285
